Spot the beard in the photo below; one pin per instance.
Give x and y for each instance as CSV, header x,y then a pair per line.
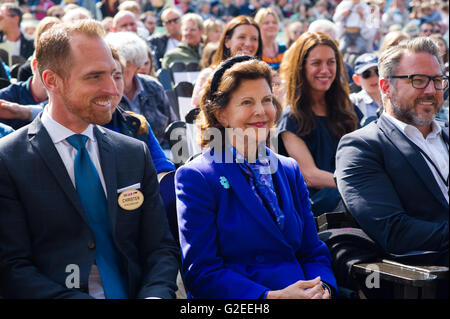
x,y
86,111
409,113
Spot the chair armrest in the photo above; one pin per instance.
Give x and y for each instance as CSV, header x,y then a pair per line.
x,y
335,220
415,276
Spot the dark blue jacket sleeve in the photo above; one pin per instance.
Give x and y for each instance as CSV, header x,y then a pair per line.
x,y
162,164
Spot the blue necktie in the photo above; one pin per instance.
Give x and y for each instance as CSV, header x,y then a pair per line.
x,y
93,200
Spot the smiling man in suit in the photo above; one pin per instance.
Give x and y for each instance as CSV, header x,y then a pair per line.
x,y
80,210
393,174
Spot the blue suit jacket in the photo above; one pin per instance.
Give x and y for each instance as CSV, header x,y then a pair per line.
x,y
43,228
231,246
388,187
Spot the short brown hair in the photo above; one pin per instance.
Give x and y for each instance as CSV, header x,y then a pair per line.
x,y
212,102
53,47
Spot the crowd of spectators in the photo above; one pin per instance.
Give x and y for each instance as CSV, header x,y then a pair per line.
x,y
319,104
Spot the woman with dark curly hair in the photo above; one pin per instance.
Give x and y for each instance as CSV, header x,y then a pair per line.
x,y
318,113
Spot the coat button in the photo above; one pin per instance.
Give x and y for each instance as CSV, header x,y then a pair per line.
x,y
91,244
259,259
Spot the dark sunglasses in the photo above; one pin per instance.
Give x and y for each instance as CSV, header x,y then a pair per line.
x,y
175,20
368,73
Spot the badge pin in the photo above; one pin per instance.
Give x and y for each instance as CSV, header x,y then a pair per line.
x,y
130,199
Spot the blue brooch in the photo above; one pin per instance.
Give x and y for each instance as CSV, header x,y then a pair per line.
x,y
224,182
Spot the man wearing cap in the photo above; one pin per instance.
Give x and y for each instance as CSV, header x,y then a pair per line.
x,y
368,100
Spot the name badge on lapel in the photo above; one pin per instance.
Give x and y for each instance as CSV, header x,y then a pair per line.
x,y
130,199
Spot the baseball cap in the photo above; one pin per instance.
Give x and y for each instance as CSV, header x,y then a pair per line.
x,y
364,62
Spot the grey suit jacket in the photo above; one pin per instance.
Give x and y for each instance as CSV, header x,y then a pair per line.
x,y
388,187
43,228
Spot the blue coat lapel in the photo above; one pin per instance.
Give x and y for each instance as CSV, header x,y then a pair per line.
x,y
412,154
240,187
41,141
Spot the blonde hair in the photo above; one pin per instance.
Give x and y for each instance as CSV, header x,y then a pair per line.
x,y
393,38
262,14
43,26
131,6
195,18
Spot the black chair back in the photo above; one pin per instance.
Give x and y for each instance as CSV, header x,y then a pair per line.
x,y
167,191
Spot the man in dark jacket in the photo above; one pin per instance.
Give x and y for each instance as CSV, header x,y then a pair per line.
x,y
190,49
160,44
11,38
22,101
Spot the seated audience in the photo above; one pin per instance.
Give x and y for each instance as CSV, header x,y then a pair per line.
x,y
351,16
318,113
393,173
241,37
163,43
293,31
269,23
143,94
107,8
213,30
393,38
190,48
22,101
11,37
135,125
368,100
125,21
255,198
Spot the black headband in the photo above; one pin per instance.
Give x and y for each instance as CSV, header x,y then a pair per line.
x,y
223,67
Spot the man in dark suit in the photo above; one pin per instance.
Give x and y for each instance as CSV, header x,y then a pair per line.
x,y
393,174
11,37
60,236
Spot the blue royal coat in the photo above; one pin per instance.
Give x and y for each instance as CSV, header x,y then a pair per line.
x,y
231,246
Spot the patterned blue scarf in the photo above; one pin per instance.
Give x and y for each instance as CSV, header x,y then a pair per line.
x,y
260,180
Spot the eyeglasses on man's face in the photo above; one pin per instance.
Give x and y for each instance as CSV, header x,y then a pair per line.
x,y
174,20
421,81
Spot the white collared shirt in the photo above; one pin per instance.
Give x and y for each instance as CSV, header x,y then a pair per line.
x,y
433,145
171,44
58,133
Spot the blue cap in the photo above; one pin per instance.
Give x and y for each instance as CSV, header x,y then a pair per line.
x,y
364,62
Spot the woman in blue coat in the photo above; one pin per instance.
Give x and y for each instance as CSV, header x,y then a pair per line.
x,y
246,227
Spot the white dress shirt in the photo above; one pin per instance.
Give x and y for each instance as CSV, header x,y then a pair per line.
x,y
433,145
58,133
